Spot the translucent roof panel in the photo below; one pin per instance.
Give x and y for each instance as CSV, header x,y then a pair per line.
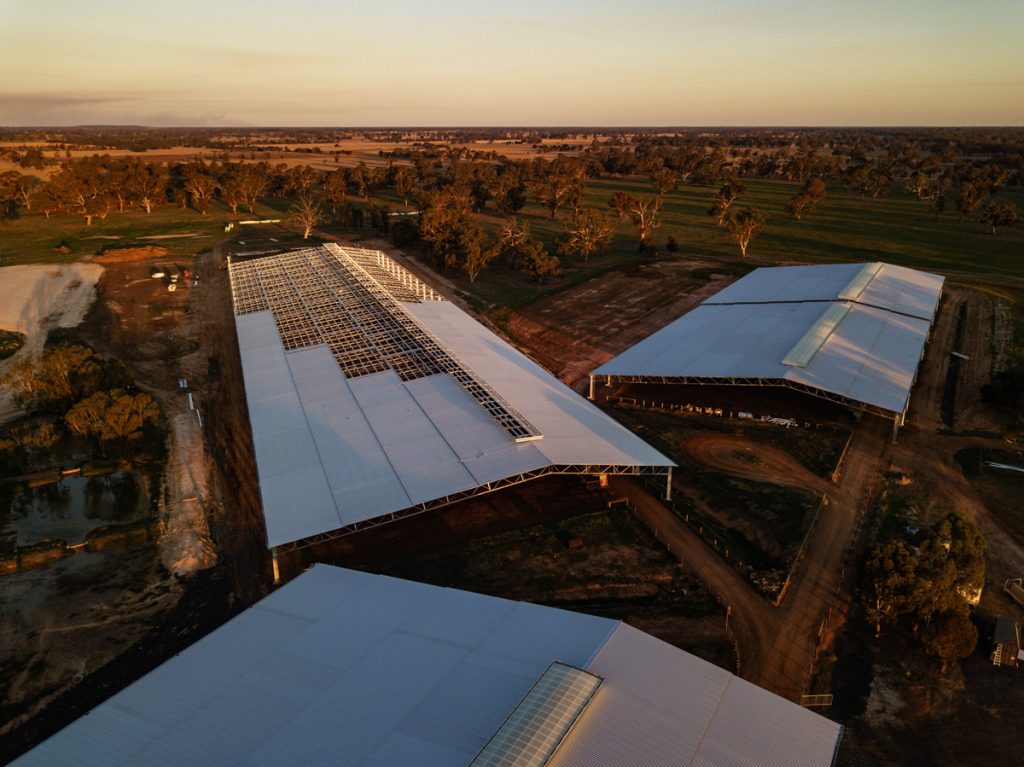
x,y
805,349
537,725
346,667
879,285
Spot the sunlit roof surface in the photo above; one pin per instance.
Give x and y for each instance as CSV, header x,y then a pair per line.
x,y
369,394
340,667
787,326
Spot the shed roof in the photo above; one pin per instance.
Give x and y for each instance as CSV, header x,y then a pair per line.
x,y
879,285
362,404
870,357
344,667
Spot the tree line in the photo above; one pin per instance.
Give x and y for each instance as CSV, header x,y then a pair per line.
x,y
449,186
70,390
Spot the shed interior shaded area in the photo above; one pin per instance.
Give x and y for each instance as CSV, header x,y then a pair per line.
x,y
370,395
344,667
855,333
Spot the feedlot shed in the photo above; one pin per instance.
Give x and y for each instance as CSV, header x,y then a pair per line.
x,y
372,398
851,333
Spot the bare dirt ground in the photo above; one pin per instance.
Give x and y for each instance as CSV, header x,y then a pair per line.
x,y
744,457
37,299
778,645
64,623
577,330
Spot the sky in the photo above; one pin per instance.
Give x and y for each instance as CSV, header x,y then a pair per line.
x,y
524,62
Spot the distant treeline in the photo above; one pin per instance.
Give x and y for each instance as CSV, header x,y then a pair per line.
x,y
947,170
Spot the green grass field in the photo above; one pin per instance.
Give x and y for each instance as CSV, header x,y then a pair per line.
x,y
34,239
846,227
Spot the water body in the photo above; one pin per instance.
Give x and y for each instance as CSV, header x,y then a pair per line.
x,y
69,509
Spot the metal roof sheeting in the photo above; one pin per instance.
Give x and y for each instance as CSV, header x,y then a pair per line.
x,y
344,667
883,286
869,354
332,451
801,354
871,357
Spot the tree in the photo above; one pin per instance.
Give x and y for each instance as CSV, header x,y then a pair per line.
x,y
200,186
644,212
85,418
56,379
539,262
743,226
83,186
1000,215
664,180
147,184
448,226
253,182
806,200
405,182
231,189
300,180
869,179
950,636
893,586
512,236
970,198
726,196
588,233
128,415
307,212
553,191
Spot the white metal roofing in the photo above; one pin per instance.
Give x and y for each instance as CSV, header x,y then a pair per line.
x,y
762,326
343,667
883,286
871,356
332,451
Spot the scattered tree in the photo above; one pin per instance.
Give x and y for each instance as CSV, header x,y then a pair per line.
x,y
807,199
1000,215
307,212
644,212
726,196
743,226
588,233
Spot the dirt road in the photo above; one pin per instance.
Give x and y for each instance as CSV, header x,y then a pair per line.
x,y
747,458
777,644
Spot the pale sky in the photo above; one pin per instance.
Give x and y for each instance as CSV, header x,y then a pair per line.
x,y
524,62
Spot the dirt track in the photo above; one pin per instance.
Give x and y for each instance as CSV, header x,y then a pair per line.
x,y
777,645
746,458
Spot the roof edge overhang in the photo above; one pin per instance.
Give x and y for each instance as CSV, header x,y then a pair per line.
x,y
484,489
754,381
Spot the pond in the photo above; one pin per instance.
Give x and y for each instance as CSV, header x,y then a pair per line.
x,y
69,509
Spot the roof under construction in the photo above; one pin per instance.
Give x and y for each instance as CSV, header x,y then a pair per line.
x,y
344,667
853,333
370,396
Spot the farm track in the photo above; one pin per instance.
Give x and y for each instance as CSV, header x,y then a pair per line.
x,y
777,645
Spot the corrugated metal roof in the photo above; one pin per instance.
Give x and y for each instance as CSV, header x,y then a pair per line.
x,y
344,667
883,286
801,354
661,706
869,356
333,451
575,430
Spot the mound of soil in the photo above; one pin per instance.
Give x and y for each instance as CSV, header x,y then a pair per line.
x,y
126,255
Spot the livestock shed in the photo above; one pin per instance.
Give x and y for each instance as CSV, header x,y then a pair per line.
x,y
371,397
850,333
345,667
